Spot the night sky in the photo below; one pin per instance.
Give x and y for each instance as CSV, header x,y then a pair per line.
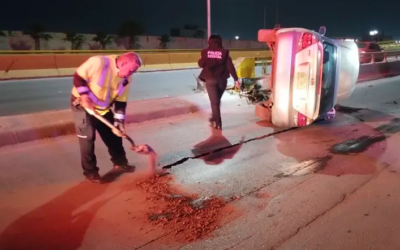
x,y
229,17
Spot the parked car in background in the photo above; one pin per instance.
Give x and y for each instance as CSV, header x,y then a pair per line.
x,y
366,47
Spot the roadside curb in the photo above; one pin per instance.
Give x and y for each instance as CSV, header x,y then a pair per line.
x,y
31,127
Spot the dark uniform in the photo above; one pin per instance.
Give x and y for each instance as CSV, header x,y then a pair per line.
x,y
98,78
217,66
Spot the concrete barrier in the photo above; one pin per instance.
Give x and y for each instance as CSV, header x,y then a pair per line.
x,y
24,128
60,61
378,70
52,65
30,127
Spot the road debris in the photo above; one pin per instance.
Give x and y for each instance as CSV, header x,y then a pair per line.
x,y
188,216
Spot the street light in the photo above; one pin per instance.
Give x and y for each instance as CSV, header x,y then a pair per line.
x,y
373,32
208,19
237,37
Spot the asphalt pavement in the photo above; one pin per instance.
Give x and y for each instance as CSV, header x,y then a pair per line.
x,y
46,94
332,185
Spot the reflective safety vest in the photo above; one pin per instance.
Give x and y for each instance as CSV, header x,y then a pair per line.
x,y
103,93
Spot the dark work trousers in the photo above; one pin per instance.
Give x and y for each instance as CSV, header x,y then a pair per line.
x,y
215,89
86,126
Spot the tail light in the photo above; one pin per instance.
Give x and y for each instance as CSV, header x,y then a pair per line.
x,y
301,120
306,40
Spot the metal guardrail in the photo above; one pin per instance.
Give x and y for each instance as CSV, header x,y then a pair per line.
x,y
380,57
143,51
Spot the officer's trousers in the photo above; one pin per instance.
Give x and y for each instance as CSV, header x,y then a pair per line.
x,y
215,89
86,127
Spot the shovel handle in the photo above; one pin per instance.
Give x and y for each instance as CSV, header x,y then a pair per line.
x,y
108,124
102,119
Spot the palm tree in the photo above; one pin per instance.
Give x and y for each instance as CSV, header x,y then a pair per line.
x,y
75,39
36,32
103,39
164,40
131,30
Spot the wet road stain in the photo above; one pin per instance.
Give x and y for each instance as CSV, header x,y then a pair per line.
x,y
356,145
390,128
362,143
347,110
351,110
305,167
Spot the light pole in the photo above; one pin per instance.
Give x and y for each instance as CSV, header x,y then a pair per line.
x,y
373,33
208,19
237,37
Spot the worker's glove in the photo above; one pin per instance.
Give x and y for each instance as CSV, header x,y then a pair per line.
x,y
238,85
119,121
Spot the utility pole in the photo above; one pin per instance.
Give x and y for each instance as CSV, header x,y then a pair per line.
x,y
208,19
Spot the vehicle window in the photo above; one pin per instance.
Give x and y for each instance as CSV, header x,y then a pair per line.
x,y
361,45
328,79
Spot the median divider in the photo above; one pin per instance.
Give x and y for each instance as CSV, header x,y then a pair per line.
x,y
44,65
64,72
31,127
378,70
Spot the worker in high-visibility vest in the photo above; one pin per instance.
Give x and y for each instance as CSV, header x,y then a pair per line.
x,y
100,83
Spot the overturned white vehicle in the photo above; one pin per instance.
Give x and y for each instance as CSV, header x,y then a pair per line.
x,y
309,74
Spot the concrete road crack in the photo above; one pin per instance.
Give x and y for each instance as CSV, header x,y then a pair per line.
x,y
250,192
185,159
342,109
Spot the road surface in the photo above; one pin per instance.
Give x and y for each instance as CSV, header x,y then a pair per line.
x,y
333,185
31,96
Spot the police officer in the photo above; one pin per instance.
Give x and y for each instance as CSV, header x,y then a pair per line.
x,y
100,83
216,65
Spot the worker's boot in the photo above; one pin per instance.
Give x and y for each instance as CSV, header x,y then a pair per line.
x,y
94,178
125,167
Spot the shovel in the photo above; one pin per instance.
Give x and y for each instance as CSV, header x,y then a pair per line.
x,y
140,149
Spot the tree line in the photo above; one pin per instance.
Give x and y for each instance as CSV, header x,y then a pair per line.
x,y
127,36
